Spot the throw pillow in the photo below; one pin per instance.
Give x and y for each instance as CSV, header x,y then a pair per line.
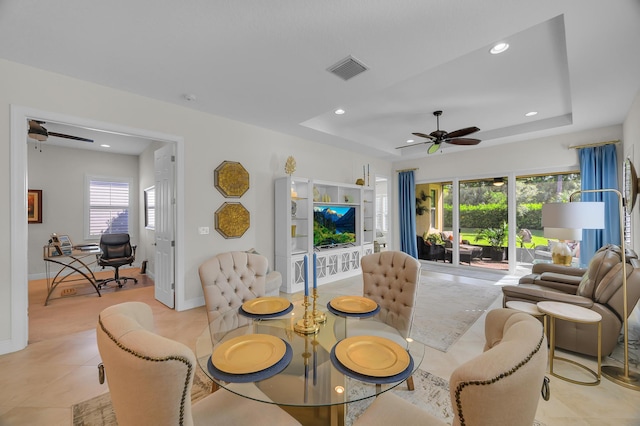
x,y
253,251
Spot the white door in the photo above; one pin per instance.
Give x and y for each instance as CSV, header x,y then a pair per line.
x,y
165,205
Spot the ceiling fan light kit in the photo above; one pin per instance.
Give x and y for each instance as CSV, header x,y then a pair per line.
x,y
37,132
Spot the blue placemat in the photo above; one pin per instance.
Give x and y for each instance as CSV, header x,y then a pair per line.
x,y
265,316
371,379
353,314
256,376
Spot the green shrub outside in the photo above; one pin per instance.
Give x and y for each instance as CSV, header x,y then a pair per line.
x,y
483,216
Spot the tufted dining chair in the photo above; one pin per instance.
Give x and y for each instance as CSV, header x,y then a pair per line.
x,y
229,279
150,377
501,386
391,278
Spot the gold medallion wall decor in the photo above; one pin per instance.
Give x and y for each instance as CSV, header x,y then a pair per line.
x,y
231,179
232,220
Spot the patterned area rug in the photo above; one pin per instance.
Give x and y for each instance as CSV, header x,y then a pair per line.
x,y
446,309
98,411
431,394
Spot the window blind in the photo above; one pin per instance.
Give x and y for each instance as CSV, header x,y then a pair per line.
x,y
108,207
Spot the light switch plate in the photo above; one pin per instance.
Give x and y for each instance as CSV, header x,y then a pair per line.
x,y
203,230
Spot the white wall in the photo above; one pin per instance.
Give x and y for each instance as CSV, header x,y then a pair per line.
x,y
60,174
208,140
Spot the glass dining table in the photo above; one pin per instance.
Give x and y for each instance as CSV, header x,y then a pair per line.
x,y
309,382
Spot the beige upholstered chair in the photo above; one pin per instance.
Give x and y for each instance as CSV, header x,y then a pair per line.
x,y
230,279
391,278
150,377
598,287
499,387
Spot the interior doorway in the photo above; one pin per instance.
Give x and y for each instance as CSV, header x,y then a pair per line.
x,y
19,229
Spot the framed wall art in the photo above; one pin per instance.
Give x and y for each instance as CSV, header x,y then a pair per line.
x,y
231,179
34,205
232,220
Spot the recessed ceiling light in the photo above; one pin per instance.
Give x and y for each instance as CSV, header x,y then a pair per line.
x,y
410,141
190,97
339,111
104,145
499,48
531,113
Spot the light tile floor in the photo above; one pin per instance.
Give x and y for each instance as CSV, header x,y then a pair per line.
x,y
41,383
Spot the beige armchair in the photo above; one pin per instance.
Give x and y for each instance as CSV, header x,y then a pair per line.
x,y
598,287
230,279
499,387
150,377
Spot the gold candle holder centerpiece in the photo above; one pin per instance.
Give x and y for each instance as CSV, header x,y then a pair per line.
x,y
319,317
307,324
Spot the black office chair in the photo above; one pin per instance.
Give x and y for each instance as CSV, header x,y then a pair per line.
x,y
116,252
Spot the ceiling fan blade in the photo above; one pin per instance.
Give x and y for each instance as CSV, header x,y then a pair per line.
x,y
433,148
75,138
463,141
422,135
462,132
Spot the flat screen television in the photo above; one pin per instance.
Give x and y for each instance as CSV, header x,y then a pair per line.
x,y
333,226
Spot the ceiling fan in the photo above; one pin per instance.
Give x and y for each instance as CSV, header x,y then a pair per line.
x,y
38,132
438,136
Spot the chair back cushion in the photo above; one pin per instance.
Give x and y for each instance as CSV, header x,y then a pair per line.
x,y
603,281
116,249
391,278
149,376
502,386
230,279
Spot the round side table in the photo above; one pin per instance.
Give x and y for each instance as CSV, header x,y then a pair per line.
x,y
573,313
528,308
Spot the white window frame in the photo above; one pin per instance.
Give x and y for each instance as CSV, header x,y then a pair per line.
x,y
87,198
148,206
382,212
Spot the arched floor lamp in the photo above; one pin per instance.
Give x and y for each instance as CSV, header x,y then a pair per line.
x,y
590,215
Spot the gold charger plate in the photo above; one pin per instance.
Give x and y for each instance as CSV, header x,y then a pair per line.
x,y
353,304
372,356
248,353
265,305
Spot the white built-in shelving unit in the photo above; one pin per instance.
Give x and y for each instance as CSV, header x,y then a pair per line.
x,y
295,199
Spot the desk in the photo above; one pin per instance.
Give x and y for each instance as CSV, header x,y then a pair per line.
x,y
310,382
75,263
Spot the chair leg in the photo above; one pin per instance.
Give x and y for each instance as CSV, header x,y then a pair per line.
x,y
117,279
410,383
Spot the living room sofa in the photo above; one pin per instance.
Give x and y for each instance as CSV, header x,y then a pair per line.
x,y
598,287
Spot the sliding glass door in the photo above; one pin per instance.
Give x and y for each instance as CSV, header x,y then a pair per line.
x,y
531,193
480,212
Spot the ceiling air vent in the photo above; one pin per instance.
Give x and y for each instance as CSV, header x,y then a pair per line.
x,y
347,68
